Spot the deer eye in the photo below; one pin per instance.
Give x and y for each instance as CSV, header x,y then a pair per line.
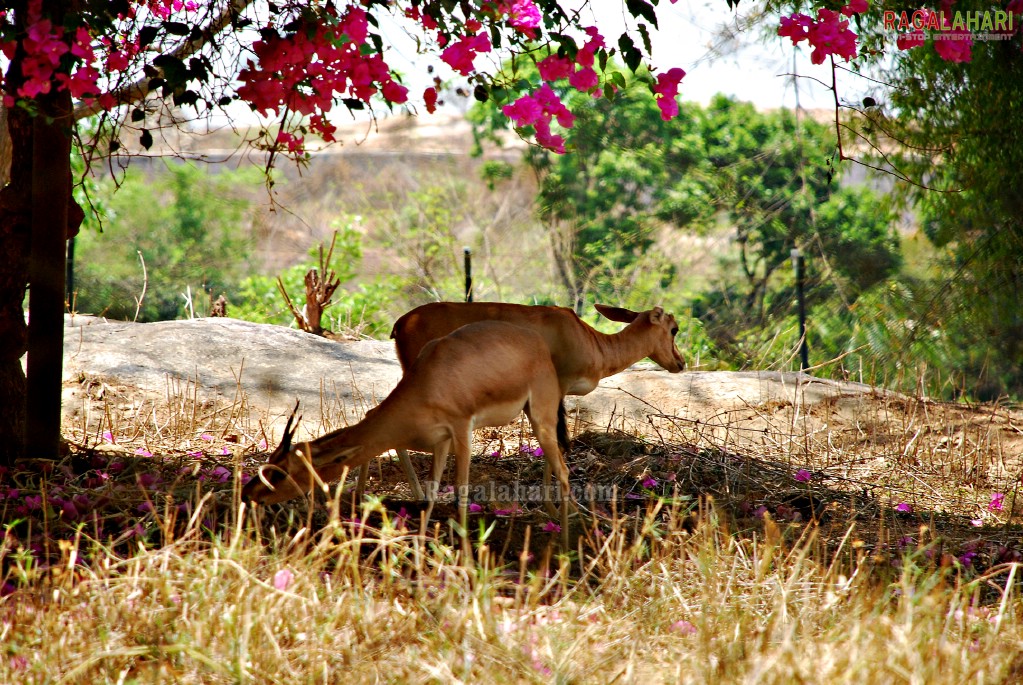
x,y
674,331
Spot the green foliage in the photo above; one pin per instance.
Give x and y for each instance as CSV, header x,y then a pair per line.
x,y
632,174
948,130
603,201
421,236
361,307
192,229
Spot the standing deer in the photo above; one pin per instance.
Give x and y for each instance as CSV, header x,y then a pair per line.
x,y
581,354
482,374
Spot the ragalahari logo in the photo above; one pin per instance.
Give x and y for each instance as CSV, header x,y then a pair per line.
x,y
953,33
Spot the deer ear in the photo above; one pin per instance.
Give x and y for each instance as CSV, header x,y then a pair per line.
x,y
656,315
619,314
289,432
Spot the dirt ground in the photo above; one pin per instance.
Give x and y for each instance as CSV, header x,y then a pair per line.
x,y
874,472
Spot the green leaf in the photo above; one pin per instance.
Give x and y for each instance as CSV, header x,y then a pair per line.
x,y
646,38
176,28
642,9
630,53
147,34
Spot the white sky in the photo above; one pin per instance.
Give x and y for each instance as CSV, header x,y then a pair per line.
x,y
747,67
690,36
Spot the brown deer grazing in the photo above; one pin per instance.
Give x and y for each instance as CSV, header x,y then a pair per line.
x,y
482,374
581,355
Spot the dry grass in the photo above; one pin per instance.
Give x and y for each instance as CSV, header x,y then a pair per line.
x,y
712,562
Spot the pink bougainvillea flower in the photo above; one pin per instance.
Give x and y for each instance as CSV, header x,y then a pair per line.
x,y
584,79
523,16
954,46
394,92
525,111
553,67
976,523
666,90
475,508
513,509
649,482
207,437
143,452
904,507
760,511
430,99
683,627
460,55
552,527
997,501
795,27
908,41
855,7
803,476
538,452
283,578
108,436
147,480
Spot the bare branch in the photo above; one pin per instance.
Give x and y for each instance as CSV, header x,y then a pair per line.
x,y
138,90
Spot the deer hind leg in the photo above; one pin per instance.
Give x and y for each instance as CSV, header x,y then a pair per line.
x,y
440,462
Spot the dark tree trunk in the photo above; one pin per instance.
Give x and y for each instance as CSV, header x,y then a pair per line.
x,y
51,195
15,216
47,189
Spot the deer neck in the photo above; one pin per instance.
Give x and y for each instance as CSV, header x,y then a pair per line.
x,y
366,435
621,350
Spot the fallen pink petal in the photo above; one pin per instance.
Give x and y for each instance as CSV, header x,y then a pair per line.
x,y
283,578
683,627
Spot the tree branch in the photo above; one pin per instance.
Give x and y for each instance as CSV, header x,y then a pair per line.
x,y
138,90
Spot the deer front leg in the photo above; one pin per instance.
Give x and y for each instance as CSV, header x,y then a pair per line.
x,y
360,486
406,466
410,474
463,445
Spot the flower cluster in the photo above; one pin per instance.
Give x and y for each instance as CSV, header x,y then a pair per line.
x,y
461,55
580,72
307,69
951,44
523,16
954,46
829,33
537,110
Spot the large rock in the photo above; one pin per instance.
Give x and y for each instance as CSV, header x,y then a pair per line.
x,y
274,366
